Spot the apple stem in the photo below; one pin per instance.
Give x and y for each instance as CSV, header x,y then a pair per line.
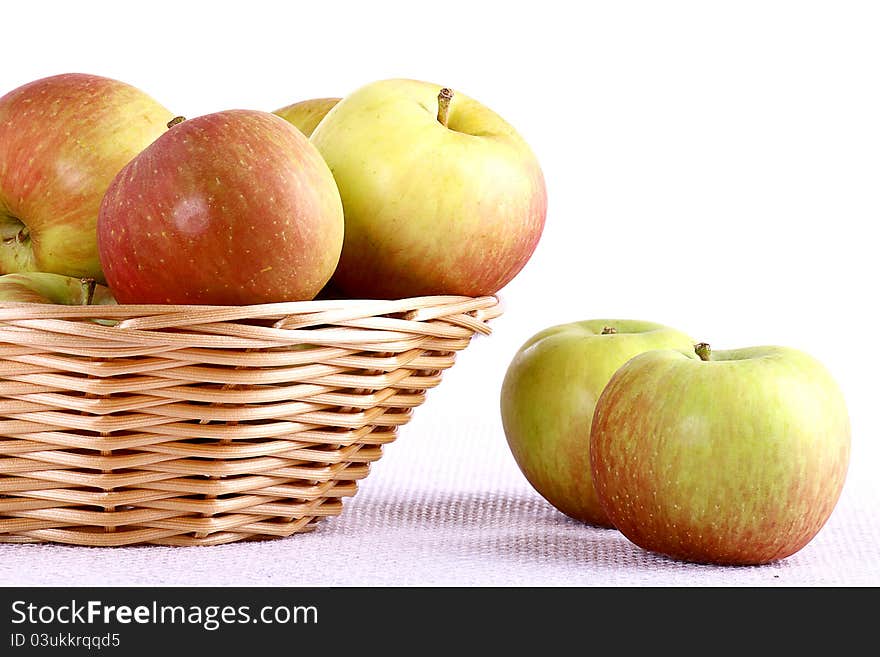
x,y
609,330
90,285
173,122
443,101
704,351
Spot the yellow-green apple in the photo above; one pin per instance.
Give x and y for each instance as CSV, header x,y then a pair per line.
x,y
43,287
548,396
307,114
234,207
62,140
729,457
441,195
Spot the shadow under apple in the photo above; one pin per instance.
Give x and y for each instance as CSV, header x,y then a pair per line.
x,y
529,537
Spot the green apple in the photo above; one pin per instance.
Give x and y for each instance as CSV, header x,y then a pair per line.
x,y
43,287
728,457
307,114
62,140
548,397
441,195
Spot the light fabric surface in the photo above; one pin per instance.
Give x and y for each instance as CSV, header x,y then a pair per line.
x,y
447,505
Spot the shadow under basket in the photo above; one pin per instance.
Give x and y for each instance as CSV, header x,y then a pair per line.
x,y
201,425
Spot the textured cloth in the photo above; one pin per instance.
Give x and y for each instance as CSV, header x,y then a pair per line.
x,y
446,505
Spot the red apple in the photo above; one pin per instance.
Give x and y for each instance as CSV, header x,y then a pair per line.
x,y
62,140
235,207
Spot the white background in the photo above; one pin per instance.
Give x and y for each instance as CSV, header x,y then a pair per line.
x,y
712,166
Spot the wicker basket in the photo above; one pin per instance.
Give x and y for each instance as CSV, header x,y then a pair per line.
x,y
195,425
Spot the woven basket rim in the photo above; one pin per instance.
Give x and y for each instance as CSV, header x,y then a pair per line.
x,y
281,307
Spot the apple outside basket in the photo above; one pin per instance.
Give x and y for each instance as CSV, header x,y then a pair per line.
x,y
201,425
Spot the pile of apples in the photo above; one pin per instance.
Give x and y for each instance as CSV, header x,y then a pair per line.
x,y
405,188
725,457
402,188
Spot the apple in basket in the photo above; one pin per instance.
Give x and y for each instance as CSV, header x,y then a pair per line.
x,y
234,207
62,140
307,114
731,457
441,195
43,287
548,397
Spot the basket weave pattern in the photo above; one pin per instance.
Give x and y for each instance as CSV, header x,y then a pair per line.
x,y
186,425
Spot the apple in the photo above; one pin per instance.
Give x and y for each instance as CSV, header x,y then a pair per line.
x,y
441,195
307,114
548,396
43,287
234,207
62,140
725,457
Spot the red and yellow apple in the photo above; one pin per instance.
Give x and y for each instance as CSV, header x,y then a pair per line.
x,y
548,397
305,115
728,457
234,207
62,141
441,195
